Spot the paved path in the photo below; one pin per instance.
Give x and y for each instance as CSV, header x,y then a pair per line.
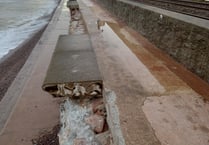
x,y
155,105
29,110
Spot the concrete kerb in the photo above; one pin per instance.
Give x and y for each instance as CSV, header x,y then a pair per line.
x,y
113,117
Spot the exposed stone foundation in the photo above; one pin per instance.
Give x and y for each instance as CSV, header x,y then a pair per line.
x,y
75,90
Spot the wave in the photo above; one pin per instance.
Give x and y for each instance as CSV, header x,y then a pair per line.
x,y
13,32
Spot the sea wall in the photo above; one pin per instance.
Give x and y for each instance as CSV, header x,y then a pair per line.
x,y
183,37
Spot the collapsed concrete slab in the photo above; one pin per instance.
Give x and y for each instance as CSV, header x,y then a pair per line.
x,y
73,73
73,70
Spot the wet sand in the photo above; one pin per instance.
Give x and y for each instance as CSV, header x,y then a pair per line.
x,y
11,64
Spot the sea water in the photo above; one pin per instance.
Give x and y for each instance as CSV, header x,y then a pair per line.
x,y
20,19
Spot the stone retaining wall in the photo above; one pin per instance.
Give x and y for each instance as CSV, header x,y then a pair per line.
x,y
185,42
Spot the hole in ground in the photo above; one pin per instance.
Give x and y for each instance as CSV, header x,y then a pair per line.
x,y
84,122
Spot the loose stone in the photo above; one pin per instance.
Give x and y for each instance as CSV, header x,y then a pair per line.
x,y
96,122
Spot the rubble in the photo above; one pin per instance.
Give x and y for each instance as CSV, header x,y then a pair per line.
x,y
96,122
79,141
80,125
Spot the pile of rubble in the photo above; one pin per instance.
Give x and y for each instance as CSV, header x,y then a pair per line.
x,y
84,123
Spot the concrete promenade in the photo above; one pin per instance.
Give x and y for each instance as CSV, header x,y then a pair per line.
x,y
29,110
155,106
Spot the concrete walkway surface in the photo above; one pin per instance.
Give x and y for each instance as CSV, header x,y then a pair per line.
x,y
155,105
32,110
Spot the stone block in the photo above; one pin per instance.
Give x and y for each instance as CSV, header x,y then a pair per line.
x,y
96,122
104,138
80,141
98,107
